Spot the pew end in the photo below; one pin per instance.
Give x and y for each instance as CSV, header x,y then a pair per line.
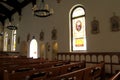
x,y
116,76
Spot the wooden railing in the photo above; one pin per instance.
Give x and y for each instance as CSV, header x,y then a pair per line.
x,y
111,59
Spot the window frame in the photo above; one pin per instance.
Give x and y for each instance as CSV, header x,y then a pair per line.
x,y
71,27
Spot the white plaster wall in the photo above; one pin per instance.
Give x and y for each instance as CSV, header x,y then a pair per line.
x,y
101,9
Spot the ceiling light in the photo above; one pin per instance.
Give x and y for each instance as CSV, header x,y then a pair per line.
x,y
12,27
43,10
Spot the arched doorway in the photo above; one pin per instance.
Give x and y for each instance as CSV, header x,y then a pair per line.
x,y
33,49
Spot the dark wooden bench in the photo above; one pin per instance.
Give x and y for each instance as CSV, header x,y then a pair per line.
x,y
116,76
46,72
95,72
29,64
75,75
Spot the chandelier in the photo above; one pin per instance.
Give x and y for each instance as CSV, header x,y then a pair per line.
x,y
42,10
11,27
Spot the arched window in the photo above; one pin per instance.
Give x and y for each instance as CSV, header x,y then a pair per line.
x,y
77,28
5,41
13,43
33,49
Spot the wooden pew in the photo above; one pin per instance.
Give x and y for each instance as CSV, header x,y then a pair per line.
x,y
28,66
12,63
75,75
19,61
95,72
48,72
72,67
25,61
69,76
25,67
116,76
55,71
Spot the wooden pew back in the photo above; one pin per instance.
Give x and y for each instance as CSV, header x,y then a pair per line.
x,y
116,76
48,73
95,72
91,73
75,75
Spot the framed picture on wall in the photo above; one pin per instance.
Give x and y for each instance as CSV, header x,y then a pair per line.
x,y
115,23
94,26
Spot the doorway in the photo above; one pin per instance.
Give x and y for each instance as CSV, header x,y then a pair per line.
x,y
33,49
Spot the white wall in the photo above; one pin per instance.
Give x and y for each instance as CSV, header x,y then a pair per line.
x,y
101,9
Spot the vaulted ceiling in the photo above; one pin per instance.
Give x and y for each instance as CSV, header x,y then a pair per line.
x,y
9,7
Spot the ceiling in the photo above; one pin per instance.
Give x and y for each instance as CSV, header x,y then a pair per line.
x,y
9,7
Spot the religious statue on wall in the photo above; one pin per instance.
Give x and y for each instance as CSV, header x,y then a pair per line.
x,y
95,26
41,35
54,34
115,23
48,46
28,37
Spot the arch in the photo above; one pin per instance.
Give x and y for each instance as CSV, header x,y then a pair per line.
x,y
100,58
88,58
115,59
33,49
77,28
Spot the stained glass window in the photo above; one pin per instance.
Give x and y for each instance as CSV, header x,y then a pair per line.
x,y
78,29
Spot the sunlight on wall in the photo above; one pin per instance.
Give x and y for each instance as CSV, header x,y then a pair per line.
x,y
42,50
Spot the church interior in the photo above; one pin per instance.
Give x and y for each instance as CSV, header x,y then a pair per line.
x,y
59,40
